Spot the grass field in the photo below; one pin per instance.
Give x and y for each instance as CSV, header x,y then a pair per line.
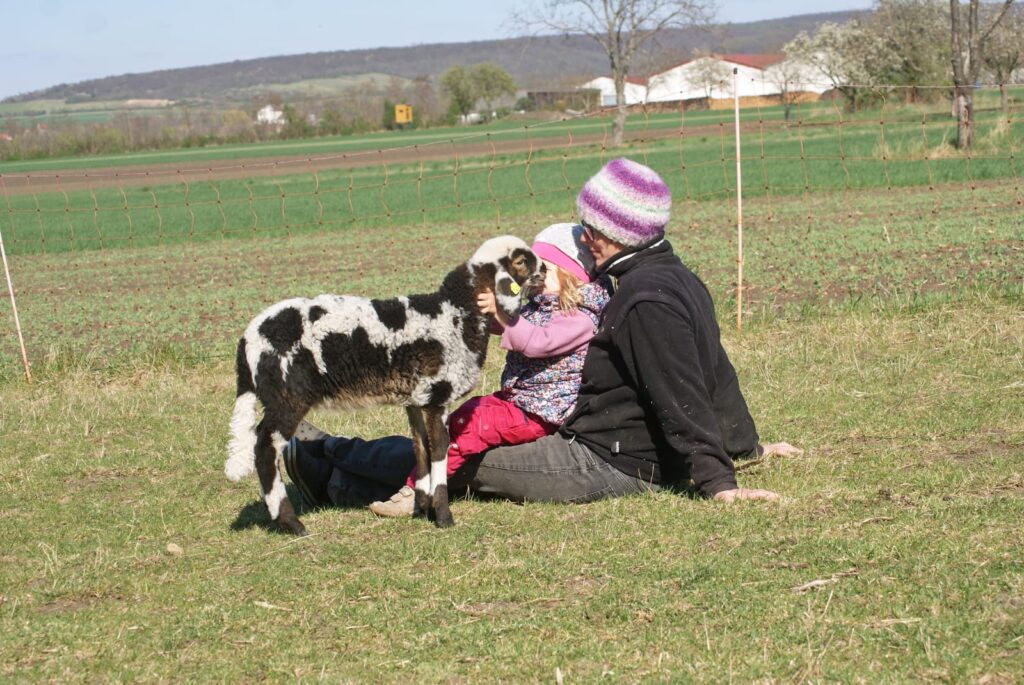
x,y
894,557
32,112
798,160
883,333
801,251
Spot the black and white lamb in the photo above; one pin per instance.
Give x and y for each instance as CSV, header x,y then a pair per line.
x,y
420,352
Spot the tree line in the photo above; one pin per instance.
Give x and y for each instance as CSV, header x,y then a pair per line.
x,y
927,50
925,47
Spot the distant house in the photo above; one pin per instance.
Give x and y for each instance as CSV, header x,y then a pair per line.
x,y
5,138
635,91
271,116
710,78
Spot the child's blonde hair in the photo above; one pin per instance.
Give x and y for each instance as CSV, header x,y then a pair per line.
x,y
569,295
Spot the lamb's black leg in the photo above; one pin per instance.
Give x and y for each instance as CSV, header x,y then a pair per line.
x,y
269,443
420,448
434,417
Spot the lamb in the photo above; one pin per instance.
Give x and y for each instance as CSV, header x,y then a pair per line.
x,y
420,352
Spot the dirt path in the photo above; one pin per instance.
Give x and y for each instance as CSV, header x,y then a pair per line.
x,y
194,172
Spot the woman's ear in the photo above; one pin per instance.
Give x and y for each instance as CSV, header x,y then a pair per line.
x,y
507,293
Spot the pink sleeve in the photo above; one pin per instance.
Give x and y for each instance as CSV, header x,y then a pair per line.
x,y
563,334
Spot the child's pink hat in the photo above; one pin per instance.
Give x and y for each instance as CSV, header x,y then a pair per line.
x,y
561,245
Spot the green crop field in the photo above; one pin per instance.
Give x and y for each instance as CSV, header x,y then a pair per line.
x,y
502,130
511,129
32,112
798,160
883,332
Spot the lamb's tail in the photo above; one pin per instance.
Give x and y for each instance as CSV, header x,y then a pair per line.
x,y
241,459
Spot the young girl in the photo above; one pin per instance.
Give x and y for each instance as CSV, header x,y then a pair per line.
x,y
546,344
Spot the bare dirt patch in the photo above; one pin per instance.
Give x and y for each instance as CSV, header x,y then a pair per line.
x,y
76,602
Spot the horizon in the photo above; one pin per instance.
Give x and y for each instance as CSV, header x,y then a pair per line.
x,y
84,44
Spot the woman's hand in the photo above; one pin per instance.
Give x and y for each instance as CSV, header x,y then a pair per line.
x,y
781,449
730,496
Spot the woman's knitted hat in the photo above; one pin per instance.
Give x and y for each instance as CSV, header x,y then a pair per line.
x,y
561,245
626,201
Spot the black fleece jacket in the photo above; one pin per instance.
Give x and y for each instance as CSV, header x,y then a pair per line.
x,y
659,398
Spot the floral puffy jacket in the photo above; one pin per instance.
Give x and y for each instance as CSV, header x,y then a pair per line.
x,y
547,386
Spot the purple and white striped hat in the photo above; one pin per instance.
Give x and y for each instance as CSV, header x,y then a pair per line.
x,y
626,201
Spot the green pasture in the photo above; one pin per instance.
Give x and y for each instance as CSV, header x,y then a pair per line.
x,y
48,107
31,112
195,292
53,106
883,333
799,161
894,556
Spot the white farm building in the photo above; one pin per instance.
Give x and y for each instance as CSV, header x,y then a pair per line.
x,y
711,78
636,90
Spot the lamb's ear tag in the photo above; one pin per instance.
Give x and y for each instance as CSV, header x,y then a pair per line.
x,y
515,288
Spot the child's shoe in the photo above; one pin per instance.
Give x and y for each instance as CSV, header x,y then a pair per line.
x,y
401,504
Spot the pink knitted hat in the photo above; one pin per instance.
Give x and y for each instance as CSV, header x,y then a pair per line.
x,y
626,201
561,245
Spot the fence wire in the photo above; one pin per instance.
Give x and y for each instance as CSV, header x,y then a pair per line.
x,y
110,262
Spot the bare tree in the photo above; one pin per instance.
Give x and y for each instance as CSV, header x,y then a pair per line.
x,y
786,76
711,73
620,27
1004,53
968,47
425,98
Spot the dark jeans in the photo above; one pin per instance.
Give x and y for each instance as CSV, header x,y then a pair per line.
x,y
550,469
364,470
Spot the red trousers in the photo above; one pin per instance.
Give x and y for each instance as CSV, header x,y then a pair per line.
x,y
487,421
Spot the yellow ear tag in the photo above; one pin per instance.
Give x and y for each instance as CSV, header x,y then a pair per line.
x,y
514,288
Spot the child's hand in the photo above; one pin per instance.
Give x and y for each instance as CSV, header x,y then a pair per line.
x,y
488,304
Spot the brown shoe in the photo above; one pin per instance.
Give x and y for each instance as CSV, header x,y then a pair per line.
x,y
400,505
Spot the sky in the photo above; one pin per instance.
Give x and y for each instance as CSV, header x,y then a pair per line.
x,y
47,42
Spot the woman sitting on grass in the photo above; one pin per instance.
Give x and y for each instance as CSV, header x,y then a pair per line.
x,y
660,404
547,344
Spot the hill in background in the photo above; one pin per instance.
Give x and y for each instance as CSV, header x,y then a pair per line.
x,y
545,62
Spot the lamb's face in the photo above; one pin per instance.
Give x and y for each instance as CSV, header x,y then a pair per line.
x,y
514,267
523,266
